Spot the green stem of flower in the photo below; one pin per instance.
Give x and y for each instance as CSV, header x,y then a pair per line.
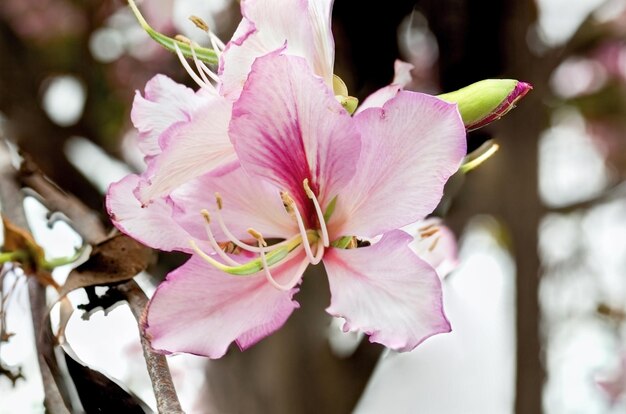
x,y
15,256
204,54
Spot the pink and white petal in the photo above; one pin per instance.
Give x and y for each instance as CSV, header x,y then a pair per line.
x,y
434,243
201,310
247,203
386,291
288,126
191,149
379,98
402,73
300,26
402,77
152,224
164,103
410,148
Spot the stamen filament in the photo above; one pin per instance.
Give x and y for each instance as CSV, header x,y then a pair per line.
x,y
190,71
319,253
251,267
200,70
213,242
292,205
245,246
297,275
318,210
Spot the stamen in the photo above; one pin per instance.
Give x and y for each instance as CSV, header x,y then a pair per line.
x,y
427,233
198,66
218,45
434,244
207,258
200,24
297,275
268,274
292,205
318,210
424,228
229,247
190,71
319,253
213,242
239,243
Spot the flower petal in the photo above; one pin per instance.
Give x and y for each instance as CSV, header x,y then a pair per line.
x,y
191,149
288,126
248,203
152,224
402,77
201,310
434,243
410,148
302,25
164,103
386,291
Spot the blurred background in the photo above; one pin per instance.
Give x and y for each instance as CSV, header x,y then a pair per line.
x,y
538,303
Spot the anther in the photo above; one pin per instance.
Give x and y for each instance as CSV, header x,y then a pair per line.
x,y
214,245
434,244
258,237
288,202
218,200
183,39
206,215
427,233
200,24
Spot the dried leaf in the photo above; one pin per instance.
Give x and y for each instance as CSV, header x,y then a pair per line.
x,y
115,260
100,394
16,239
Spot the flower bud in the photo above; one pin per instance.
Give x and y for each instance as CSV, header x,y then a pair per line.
x,y
486,101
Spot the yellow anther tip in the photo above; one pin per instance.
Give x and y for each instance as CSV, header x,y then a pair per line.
x,y
199,22
218,200
206,215
183,39
307,188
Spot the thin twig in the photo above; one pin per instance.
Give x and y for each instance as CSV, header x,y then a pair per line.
x,y
87,224
159,371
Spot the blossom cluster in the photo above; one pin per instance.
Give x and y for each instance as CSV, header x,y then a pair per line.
x,y
268,168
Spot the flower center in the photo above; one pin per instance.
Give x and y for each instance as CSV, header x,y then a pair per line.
x,y
269,256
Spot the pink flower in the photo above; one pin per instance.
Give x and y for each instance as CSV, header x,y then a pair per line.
x,y
183,133
315,180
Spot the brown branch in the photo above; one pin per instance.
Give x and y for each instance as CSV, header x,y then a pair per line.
x,y
159,371
87,224
83,220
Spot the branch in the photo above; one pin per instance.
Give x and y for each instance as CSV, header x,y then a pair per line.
x,y
167,400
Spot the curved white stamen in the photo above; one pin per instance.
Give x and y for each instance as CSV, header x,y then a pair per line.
x,y
305,240
220,45
190,71
319,253
216,43
294,280
238,242
203,69
208,71
206,257
213,242
200,70
318,210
